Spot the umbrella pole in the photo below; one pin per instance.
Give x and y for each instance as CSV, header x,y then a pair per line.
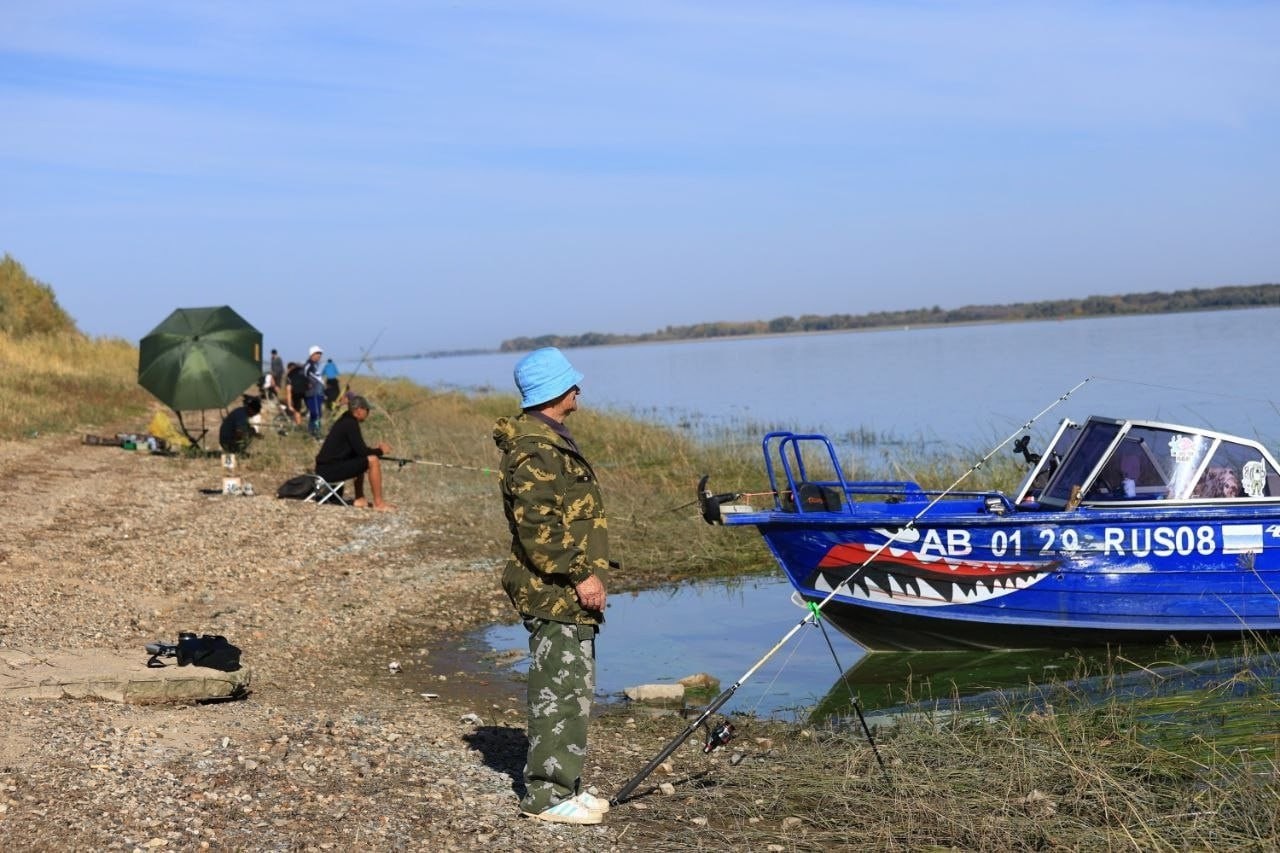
x,y
195,442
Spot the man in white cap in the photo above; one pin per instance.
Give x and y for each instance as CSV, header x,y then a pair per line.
x,y
559,548
315,390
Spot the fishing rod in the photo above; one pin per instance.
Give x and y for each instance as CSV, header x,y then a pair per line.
x,y
402,461
813,613
364,356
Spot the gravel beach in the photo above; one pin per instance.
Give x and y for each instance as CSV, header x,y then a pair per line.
x,y
104,550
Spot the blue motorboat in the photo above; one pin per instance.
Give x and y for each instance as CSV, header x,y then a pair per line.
x,y
1122,531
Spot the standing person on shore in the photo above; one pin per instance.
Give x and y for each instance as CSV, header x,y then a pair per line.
x,y
332,389
559,548
277,370
315,390
295,391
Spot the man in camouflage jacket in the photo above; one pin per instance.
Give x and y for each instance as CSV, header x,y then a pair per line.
x,y
559,550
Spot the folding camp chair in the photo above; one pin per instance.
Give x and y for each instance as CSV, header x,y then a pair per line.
x,y
325,491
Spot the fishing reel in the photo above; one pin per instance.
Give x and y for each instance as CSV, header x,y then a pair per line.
x,y
1020,446
717,737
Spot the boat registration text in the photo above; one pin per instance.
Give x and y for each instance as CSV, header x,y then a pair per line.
x,y
1154,541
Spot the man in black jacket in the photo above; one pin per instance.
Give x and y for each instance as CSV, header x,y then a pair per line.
x,y
344,455
237,428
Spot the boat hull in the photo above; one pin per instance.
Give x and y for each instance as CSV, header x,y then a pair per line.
x,y
883,631
1035,579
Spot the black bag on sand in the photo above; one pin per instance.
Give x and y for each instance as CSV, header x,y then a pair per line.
x,y
297,488
211,650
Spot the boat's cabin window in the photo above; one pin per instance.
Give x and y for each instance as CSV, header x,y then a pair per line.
x,y
1136,469
1236,470
1080,462
1111,463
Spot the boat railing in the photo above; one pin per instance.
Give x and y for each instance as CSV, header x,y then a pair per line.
x,y
795,487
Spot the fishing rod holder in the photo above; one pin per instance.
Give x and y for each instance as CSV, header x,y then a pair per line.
x,y
711,505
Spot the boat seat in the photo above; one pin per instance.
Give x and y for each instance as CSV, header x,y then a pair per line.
x,y
813,498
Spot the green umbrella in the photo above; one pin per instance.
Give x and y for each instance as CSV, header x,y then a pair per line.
x,y
200,358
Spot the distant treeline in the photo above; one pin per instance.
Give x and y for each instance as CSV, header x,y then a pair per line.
x,y
1196,299
442,353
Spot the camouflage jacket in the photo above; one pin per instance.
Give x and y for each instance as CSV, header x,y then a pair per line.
x,y
559,535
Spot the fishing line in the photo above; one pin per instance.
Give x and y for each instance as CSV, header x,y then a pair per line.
x,y
1162,387
768,688
815,610
853,697
726,496
1223,394
401,462
364,355
910,525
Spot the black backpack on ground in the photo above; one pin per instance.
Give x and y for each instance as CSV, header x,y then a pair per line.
x,y
297,488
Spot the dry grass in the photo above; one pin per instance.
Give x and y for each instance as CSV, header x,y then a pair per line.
x,y
1082,780
67,382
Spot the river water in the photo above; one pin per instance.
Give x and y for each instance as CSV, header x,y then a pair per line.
x,y
937,387
954,388
660,636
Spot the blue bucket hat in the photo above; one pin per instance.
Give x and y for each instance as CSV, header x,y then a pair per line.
x,y
543,375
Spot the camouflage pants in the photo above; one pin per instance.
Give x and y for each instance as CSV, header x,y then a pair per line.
x,y
562,663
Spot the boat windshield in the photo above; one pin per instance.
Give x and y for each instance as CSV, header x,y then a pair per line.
x,y
1075,470
1126,460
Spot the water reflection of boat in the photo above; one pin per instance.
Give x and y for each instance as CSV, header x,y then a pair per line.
x,y
1124,531
888,679
891,684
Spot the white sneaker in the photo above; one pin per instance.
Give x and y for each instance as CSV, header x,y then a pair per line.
x,y
568,811
595,804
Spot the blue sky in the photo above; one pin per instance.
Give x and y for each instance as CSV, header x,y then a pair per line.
x,y
448,175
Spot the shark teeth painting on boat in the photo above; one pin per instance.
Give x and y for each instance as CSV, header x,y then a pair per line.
x,y
904,577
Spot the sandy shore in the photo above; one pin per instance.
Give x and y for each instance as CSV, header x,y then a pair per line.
x,y
106,549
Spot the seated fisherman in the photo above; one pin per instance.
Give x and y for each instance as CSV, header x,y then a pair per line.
x,y
236,431
344,455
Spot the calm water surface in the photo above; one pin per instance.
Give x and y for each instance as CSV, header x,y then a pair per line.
x,y
660,636
950,386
